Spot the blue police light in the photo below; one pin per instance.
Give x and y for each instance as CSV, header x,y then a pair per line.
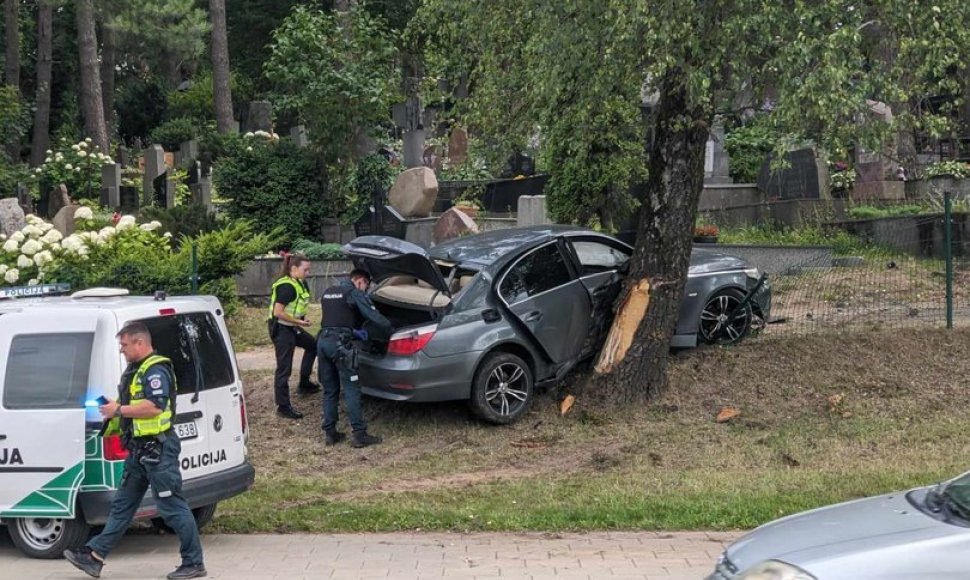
x,y
91,403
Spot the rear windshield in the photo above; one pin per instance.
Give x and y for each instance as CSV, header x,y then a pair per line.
x,y
195,345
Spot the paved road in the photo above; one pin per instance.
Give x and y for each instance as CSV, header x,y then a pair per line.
x,y
407,556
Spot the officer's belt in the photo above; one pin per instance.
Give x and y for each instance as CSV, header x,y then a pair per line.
x,y
338,330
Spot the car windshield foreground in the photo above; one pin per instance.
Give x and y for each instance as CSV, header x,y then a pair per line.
x,y
922,533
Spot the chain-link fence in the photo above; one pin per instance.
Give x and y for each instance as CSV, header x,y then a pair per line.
x,y
863,267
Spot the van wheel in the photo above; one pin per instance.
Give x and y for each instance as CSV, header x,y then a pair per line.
x,y
203,515
47,538
502,388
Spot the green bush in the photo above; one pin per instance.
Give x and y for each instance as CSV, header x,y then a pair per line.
x,y
11,174
872,212
274,184
841,241
317,251
956,169
140,106
171,134
748,146
182,220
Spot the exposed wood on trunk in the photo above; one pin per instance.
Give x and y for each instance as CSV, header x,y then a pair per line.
x,y
92,107
664,236
624,327
220,66
42,112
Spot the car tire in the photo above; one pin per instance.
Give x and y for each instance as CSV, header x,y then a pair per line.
x,y
502,389
203,515
47,538
713,326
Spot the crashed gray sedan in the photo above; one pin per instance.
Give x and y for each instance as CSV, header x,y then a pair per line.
x,y
921,533
488,318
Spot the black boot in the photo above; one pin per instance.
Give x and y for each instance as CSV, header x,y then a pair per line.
x,y
289,413
364,439
308,387
333,437
187,571
85,562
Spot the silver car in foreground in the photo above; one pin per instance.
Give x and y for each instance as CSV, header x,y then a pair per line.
x,y
920,534
489,317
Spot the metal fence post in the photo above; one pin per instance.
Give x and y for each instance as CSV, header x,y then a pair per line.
x,y
948,254
195,270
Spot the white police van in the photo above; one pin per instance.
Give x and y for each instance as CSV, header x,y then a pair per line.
x,y
57,356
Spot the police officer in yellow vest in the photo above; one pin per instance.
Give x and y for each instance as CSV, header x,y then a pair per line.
x,y
143,415
287,319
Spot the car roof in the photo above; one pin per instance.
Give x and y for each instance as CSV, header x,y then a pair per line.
x,y
483,250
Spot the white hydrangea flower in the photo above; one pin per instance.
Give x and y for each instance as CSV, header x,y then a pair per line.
x,y
83,251
249,134
151,226
69,167
82,144
11,246
43,258
107,231
33,282
18,237
169,235
82,153
11,275
72,243
107,160
48,160
3,269
125,222
45,227
33,220
32,231
249,149
87,140
76,147
77,169
31,247
38,171
59,157
3,237
24,261
49,152
84,213
52,237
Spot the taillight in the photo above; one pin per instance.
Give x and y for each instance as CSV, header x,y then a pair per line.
x,y
113,448
242,414
410,341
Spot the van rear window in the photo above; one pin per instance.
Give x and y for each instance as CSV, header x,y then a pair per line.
x,y
196,347
48,371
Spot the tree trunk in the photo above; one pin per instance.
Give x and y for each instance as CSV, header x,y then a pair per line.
x,y
661,258
222,91
42,112
11,19
92,107
108,55
170,69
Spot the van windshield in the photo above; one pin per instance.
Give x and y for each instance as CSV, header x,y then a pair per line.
x,y
196,347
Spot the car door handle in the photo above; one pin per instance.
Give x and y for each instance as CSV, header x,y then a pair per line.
x,y
2,437
533,316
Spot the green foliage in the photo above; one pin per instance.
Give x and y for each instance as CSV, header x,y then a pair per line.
x,y
872,212
956,169
14,115
841,242
273,184
198,101
140,103
843,180
11,174
78,166
318,251
373,176
335,72
182,221
748,146
171,134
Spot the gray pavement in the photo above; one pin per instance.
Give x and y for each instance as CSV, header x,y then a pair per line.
x,y
407,556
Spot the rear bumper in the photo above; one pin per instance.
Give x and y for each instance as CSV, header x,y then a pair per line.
x,y
418,378
198,492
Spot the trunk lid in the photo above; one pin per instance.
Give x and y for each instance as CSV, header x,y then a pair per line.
x,y
384,257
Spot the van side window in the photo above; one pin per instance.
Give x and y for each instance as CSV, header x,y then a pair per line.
x,y
196,347
48,371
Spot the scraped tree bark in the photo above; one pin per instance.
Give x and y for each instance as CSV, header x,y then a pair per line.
x,y
222,89
92,107
635,360
42,111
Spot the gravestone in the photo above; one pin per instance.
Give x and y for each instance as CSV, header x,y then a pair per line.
x,y
124,156
12,217
716,162
414,148
432,158
803,177
876,176
532,211
188,152
519,164
458,146
128,199
414,192
111,185
200,185
382,220
452,224
154,157
299,137
57,198
25,199
259,117
64,220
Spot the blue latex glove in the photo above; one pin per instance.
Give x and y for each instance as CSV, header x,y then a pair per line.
x,y
360,334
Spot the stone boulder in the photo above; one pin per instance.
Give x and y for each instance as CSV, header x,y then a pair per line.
x,y
452,224
64,220
414,192
11,216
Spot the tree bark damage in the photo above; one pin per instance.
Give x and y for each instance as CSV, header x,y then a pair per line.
x,y
658,267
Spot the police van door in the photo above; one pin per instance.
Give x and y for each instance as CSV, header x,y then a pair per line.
x,y
45,362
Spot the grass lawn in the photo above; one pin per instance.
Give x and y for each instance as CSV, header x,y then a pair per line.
x,y
823,419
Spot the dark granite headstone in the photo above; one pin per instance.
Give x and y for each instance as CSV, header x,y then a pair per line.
x,y
519,164
799,180
129,199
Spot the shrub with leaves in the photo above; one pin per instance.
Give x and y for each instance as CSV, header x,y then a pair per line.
x,y
748,146
955,169
77,166
317,251
171,134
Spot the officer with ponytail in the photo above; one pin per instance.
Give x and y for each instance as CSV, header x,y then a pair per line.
x,y
288,304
